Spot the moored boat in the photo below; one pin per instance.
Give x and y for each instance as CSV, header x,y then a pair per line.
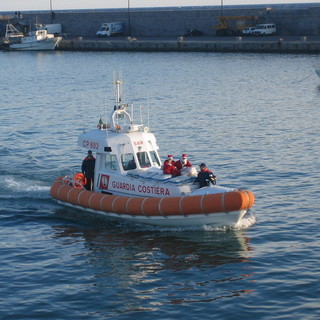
x,y
37,40
129,183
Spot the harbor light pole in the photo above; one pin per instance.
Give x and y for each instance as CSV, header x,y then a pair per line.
x,y
221,9
51,12
129,26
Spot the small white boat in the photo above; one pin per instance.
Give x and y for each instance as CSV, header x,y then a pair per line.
x,y
38,40
129,182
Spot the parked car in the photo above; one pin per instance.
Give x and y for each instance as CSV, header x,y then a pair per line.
x,y
248,31
193,33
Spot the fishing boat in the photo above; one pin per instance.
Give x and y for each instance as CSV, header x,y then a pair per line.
x,y
129,182
37,40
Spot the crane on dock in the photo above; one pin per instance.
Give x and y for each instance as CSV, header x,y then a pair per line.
x,y
4,17
233,25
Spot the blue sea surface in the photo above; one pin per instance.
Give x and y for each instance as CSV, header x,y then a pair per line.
x,y
253,118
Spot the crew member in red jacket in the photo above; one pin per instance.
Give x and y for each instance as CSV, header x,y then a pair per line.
x,y
170,168
183,162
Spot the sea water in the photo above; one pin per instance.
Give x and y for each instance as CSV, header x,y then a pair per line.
x,y
252,118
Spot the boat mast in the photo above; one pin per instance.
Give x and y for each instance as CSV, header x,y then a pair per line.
x,y
119,111
118,83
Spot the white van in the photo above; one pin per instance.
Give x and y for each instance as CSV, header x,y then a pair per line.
x,y
53,28
110,29
265,29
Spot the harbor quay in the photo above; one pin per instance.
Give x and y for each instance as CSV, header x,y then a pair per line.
x,y
165,29
273,44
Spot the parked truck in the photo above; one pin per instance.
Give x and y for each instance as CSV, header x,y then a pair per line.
x,y
233,25
110,29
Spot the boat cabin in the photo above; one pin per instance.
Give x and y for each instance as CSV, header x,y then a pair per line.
x,y
121,145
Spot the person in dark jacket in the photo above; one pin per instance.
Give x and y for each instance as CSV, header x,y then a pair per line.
x,y
205,176
87,169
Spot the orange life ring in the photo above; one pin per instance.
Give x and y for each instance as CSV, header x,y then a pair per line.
x,y
79,180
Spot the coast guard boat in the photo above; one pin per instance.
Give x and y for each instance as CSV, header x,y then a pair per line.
x,y
129,182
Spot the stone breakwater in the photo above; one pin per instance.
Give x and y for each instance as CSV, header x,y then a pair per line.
x,y
237,44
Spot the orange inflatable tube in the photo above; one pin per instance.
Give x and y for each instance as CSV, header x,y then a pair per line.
x,y
200,204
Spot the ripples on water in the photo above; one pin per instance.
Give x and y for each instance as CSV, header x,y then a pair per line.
x,y
251,118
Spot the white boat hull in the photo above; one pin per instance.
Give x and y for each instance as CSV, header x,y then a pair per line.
x,y
218,210
42,45
221,219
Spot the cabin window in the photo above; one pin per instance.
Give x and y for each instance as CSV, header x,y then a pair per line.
x,y
128,162
111,162
154,158
143,159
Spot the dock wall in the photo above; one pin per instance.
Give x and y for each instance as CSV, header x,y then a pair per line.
x,y
173,22
237,44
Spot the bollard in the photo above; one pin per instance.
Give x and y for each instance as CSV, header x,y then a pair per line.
x,y
280,42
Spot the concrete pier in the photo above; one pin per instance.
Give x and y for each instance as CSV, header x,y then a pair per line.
x,y
235,44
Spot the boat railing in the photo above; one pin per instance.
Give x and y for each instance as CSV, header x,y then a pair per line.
x,y
12,32
160,177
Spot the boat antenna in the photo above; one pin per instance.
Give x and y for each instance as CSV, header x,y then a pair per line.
x,y
105,108
148,111
131,106
141,120
82,108
118,82
106,113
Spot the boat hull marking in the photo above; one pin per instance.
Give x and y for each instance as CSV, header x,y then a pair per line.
x,y
238,200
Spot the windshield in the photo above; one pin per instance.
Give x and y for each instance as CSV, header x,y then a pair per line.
x,y
111,161
154,158
143,160
128,162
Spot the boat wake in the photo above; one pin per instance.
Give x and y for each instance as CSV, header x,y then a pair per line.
x,y
28,188
247,221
